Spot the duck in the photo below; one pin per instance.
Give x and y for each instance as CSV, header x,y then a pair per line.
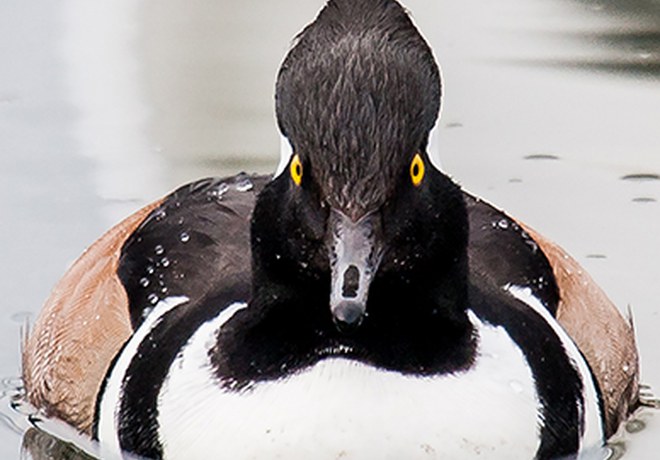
x,y
357,304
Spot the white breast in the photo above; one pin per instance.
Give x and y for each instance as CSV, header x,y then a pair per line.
x,y
344,409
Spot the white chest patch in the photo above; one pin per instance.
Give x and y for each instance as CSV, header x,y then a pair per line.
x,y
342,409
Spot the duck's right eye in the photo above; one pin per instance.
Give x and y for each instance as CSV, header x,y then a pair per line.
x,y
296,169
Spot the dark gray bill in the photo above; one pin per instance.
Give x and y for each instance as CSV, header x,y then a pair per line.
x,y
354,257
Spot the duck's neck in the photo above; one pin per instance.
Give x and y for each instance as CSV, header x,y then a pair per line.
x,y
416,321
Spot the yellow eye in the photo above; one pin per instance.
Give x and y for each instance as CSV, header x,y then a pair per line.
x,y
296,169
417,170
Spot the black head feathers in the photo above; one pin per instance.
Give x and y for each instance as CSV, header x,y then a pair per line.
x,y
357,97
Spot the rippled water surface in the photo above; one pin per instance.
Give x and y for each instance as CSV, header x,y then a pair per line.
x,y
551,111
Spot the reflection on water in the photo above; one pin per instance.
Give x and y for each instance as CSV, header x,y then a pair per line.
x,y
39,445
628,46
641,177
106,106
58,441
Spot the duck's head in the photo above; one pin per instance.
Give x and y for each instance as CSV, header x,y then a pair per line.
x,y
360,218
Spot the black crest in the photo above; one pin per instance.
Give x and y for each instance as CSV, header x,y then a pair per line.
x,y
357,96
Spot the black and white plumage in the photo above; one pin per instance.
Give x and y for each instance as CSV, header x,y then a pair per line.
x,y
344,309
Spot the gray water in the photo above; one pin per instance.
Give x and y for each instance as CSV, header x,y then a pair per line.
x,y
551,111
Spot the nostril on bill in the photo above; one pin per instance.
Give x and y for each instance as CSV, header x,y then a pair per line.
x,y
351,282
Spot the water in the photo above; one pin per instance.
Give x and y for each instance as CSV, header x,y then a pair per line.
x,y
551,111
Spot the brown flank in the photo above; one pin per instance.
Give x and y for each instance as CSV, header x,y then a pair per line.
x,y
81,327
605,337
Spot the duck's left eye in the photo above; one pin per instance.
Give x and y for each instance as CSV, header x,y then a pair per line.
x,y
296,169
417,170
